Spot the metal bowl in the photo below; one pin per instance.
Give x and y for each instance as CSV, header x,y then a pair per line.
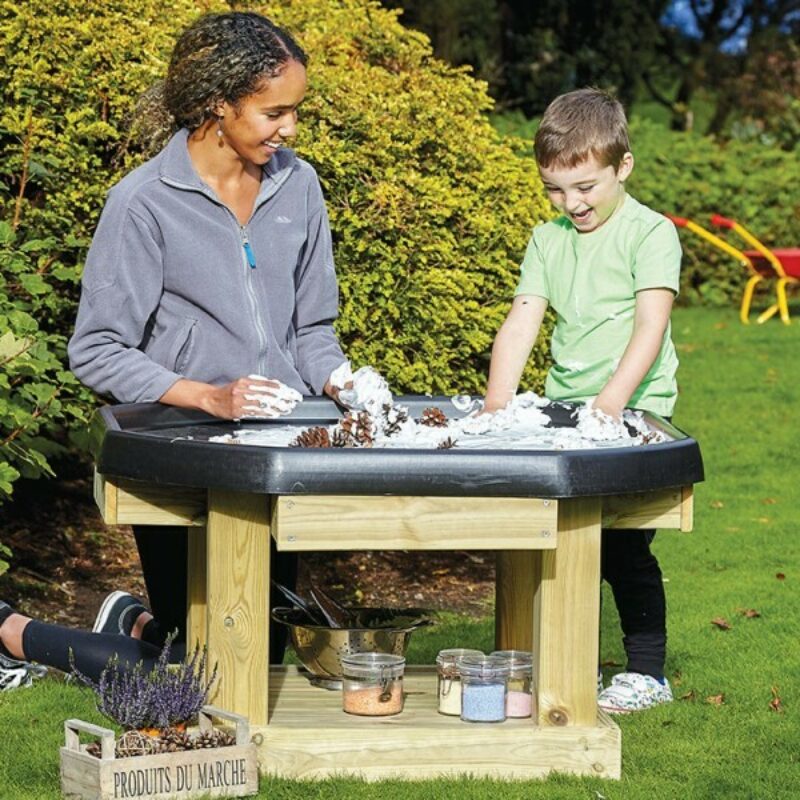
x,y
320,649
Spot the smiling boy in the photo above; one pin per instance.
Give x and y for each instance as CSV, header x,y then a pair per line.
x,y
609,266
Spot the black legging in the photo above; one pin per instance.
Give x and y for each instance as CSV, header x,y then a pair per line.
x,y
52,645
164,552
632,571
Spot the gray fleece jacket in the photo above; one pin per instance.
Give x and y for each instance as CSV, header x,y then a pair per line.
x,y
175,287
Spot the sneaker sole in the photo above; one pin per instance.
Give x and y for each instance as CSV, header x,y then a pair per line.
x,y
105,610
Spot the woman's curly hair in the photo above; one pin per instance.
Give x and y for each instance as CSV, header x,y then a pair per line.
x,y
218,58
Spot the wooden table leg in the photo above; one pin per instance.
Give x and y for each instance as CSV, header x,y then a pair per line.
x,y
196,607
514,592
567,616
238,601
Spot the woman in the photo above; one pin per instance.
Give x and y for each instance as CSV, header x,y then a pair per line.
x,y
210,282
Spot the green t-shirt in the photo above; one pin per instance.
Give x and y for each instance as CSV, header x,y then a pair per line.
x,y
591,280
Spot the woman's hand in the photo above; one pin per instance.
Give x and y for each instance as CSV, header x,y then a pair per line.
x,y
251,397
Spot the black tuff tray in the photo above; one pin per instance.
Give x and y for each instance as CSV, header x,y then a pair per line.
x,y
150,442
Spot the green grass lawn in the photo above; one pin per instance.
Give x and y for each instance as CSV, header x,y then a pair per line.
x,y
739,388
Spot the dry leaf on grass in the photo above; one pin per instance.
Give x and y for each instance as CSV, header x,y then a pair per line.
x,y
717,504
690,695
750,613
721,623
716,699
780,576
775,704
610,663
769,501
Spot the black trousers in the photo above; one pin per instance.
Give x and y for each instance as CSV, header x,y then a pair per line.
x,y
163,552
634,576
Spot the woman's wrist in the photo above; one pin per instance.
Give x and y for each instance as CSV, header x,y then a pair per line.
x,y
193,394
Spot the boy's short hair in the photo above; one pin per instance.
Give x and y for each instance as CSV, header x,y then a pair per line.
x,y
579,124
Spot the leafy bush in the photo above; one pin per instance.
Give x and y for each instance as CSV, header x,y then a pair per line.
x,y
430,207
38,396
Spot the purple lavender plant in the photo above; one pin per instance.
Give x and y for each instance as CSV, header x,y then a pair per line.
x,y
168,695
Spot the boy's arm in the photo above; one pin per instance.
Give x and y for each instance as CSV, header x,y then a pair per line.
x,y
511,348
651,317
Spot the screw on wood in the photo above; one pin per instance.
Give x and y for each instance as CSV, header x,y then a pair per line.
x,y
558,716
228,622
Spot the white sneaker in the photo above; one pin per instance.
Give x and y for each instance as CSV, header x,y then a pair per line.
x,y
633,691
15,673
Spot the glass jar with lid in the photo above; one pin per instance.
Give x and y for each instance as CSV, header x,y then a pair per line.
x,y
483,688
519,698
448,679
372,684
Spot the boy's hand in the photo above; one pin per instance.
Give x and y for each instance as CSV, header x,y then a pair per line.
x,y
613,408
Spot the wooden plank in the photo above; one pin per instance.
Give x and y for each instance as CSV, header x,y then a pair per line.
x,y
661,509
310,737
197,575
357,522
125,502
514,591
568,608
238,600
687,508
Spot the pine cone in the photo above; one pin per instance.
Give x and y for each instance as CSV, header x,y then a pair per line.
x,y
358,429
393,418
313,437
446,444
213,738
341,439
433,418
172,740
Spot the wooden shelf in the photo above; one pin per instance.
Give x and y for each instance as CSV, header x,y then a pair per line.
x,y
309,736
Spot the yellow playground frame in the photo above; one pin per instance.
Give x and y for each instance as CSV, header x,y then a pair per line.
x,y
782,265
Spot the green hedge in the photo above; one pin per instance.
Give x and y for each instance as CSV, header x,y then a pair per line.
x,y
430,207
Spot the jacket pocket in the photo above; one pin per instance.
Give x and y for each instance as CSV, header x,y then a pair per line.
x,y
183,345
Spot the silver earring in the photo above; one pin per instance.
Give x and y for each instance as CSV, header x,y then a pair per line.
x,y
219,132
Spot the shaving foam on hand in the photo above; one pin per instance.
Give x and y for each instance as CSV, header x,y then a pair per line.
x,y
370,391
341,376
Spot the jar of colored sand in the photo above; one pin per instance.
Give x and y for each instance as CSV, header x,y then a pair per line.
x,y
372,684
448,682
519,698
483,688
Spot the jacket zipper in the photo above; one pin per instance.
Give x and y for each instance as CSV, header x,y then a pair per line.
x,y
248,251
249,262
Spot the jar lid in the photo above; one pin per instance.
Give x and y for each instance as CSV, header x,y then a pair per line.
x,y
364,665
517,658
484,666
451,656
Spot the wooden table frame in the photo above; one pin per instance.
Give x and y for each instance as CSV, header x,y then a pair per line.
x,y
547,601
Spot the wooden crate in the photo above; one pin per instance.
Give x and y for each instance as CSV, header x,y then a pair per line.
x,y
213,772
